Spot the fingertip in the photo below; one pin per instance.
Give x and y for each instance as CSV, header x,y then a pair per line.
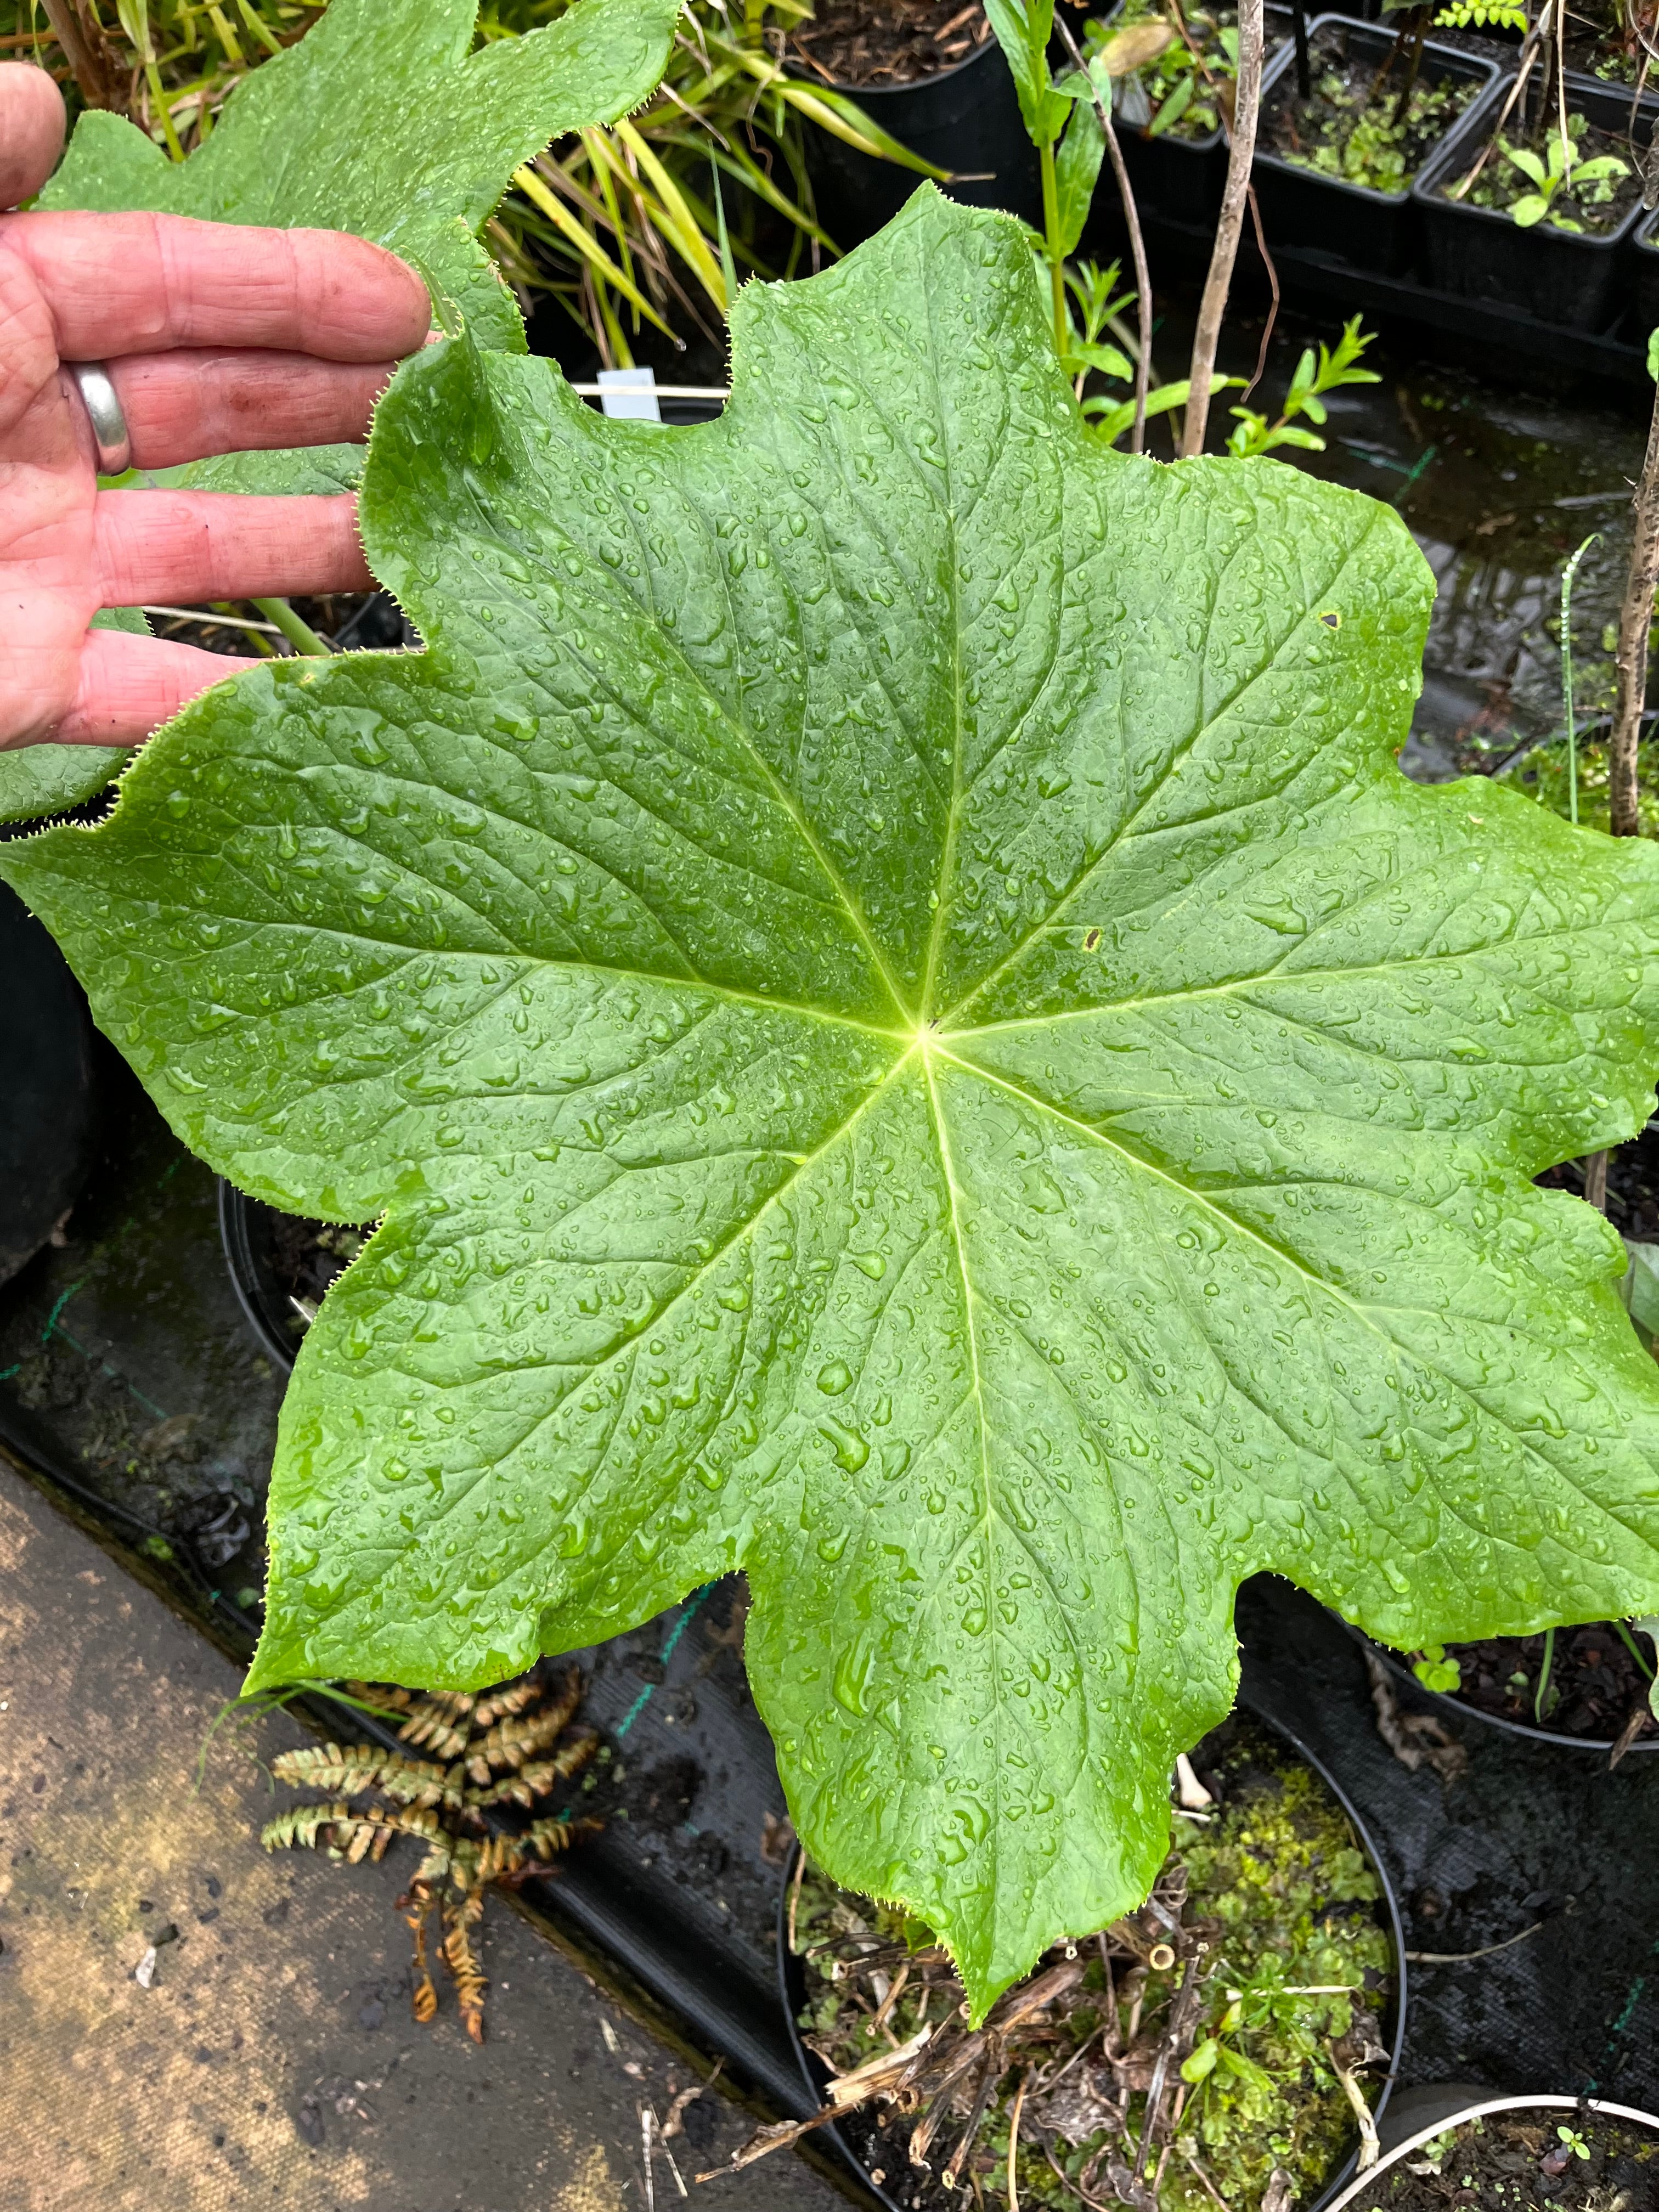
x,y
370,300
31,130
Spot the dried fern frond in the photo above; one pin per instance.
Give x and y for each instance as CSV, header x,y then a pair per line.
x,y
438,1722
460,1918
383,1696
357,1767
514,1741
538,1778
300,1828
511,1697
501,1746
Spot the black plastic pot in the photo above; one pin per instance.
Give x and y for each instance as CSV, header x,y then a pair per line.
x,y
1437,2108
1455,1708
48,1129
966,120
792,1986
1327,215
245,1231
1476,253
1180,179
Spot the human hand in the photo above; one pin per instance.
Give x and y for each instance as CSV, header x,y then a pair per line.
x,y
217,338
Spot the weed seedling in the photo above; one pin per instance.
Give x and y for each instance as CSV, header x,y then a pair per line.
x,y
1436,1671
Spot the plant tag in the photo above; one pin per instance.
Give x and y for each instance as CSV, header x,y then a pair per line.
x,y
629,395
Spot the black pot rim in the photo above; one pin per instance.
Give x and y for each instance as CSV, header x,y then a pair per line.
x,y
865,93
237,1243
1398,1668
1485,73
811,2075
1426,186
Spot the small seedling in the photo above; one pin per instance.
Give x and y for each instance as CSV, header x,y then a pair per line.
x,y
1313,378
509,1745
1435,1671
1560,169
1573,2141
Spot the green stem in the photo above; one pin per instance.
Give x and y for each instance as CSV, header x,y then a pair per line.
x,y
1544,1677
1567,575
1051,253
300,635
153,77
1635,1650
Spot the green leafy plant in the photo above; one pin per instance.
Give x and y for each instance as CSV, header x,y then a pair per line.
x,y
1560,169
908,1036
1062,124
1571,2140
1435,1669
1483,16
384,121
1312,379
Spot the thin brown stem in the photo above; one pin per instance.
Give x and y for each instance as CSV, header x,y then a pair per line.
x,y
1137,250
1272,311
1595,1180
1217,285
87,51
1635,620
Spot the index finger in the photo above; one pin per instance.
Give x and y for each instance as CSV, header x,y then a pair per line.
x,y
143,283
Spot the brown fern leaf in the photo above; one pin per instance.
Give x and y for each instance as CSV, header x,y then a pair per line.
x,y
510,1698
369,1839
471,1982
423,1990
515,1742
359,1767
438,1722
301,1828
383,1697
536,1779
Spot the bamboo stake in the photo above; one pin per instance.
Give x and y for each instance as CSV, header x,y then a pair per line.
x,y
1241,154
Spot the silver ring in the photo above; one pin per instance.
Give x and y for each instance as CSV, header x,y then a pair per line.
x,y
104,411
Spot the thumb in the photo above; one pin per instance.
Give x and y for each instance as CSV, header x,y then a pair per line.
x,y
31,130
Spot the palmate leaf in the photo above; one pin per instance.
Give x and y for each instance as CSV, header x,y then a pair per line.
x,y
382,122
911,1038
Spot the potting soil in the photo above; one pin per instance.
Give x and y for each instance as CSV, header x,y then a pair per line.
x,y
887,42
1348,130
1564,2162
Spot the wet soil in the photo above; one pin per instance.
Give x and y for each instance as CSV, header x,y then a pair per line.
x,y
854,43
1352,128
1594,1687
1567,2161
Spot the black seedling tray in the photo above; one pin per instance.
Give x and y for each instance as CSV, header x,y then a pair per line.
x,y
1301,207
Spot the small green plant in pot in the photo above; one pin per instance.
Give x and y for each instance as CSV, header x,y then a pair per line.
x,y
904,1033
1559,184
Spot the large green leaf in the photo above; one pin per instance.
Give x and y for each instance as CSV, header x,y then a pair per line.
x,y
382,121
379,121
910,1037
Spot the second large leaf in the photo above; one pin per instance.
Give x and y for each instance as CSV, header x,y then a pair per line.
x,y
911,1038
